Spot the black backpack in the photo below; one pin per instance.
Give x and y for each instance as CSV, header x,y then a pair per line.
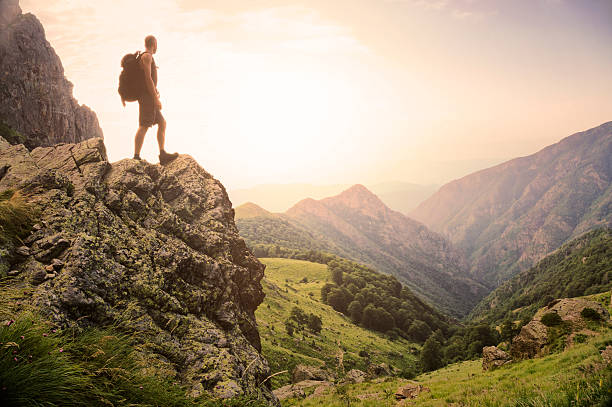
x,y
131,79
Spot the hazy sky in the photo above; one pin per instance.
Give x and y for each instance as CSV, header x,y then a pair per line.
x,y
344,91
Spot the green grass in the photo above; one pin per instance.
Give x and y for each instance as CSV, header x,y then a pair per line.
x,y
571,378
16,217
290,283
43,365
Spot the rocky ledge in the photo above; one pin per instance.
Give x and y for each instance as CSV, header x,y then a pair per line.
x,y
151,249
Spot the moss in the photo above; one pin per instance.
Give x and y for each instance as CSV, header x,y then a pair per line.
x,y
11,135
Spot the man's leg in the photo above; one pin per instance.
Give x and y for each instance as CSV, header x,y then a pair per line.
x,y
139,139
161,133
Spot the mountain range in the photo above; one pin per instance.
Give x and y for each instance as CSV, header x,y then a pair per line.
x,y
508,217
357,225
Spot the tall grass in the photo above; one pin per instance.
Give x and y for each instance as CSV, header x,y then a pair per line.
x,y
16,217
44,366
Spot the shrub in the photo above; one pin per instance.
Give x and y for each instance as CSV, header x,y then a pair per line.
x,y
590,313
551,319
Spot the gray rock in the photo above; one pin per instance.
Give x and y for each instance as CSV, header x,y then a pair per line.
x,y
530,341
173,271
304,372
355,376
35,98
378,370
493,357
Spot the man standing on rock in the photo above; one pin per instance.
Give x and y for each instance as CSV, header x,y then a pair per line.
x,y
150,106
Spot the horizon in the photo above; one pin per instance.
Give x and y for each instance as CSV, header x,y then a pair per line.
x,y
308,92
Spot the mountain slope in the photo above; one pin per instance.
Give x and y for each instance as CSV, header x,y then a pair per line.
x,y
580,267
35,98
510,216
367,231
295,283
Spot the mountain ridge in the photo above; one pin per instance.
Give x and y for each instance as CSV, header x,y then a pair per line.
x,y
507,217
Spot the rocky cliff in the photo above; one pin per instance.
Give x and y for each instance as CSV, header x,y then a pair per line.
x,y
153,250
35,97
508,217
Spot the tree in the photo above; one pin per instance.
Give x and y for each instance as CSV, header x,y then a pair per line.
x,y
338,300
325,291
299,316
290,327
355,311
431,358
507,331
336,275
314,323
419,331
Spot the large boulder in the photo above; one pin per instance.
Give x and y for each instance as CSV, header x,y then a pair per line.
x,y
297,390
569,310
410,390
530,341
153,250
493,357
355,376
304,372
378,370
35,97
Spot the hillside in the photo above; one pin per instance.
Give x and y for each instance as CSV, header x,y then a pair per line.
x,y
577,374
580,267
367,231
508,217
295,283
573,378
259,227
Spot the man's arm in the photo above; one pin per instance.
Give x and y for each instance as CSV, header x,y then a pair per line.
x,y
147,59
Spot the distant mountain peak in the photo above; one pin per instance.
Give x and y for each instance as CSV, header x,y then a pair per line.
x,y
358,197
250,210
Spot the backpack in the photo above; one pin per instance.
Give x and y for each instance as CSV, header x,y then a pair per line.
x,y
131,79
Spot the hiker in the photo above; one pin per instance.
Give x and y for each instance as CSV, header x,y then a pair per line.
x,y
149,104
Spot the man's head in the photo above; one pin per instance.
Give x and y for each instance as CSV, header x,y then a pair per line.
x,y
151,44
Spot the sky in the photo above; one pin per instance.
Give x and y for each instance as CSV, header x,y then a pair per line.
x,y
343,91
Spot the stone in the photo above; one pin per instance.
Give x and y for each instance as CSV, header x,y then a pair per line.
x,y
410,390
377,370
175,273
569,310
530,341
493,357
36,98
304,372
355,376
14,272
23,251
297,390
57,264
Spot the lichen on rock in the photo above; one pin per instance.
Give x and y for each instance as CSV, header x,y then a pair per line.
x,y
153,250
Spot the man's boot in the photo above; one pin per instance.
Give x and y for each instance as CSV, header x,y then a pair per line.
x,y
165,158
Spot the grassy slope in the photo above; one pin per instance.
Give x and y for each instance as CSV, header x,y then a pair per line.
x,y
560,379
552,381
283,291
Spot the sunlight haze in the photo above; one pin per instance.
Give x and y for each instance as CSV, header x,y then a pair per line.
x,y
343,92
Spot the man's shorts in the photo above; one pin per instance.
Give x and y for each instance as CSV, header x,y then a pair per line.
x,y
148,113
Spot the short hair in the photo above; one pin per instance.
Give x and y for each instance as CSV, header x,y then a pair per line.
x,y
150,41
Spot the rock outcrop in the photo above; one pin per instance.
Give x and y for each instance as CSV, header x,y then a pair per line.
x,y
35,97
530,341
410,390
569,310
151,249
493,357
304,372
